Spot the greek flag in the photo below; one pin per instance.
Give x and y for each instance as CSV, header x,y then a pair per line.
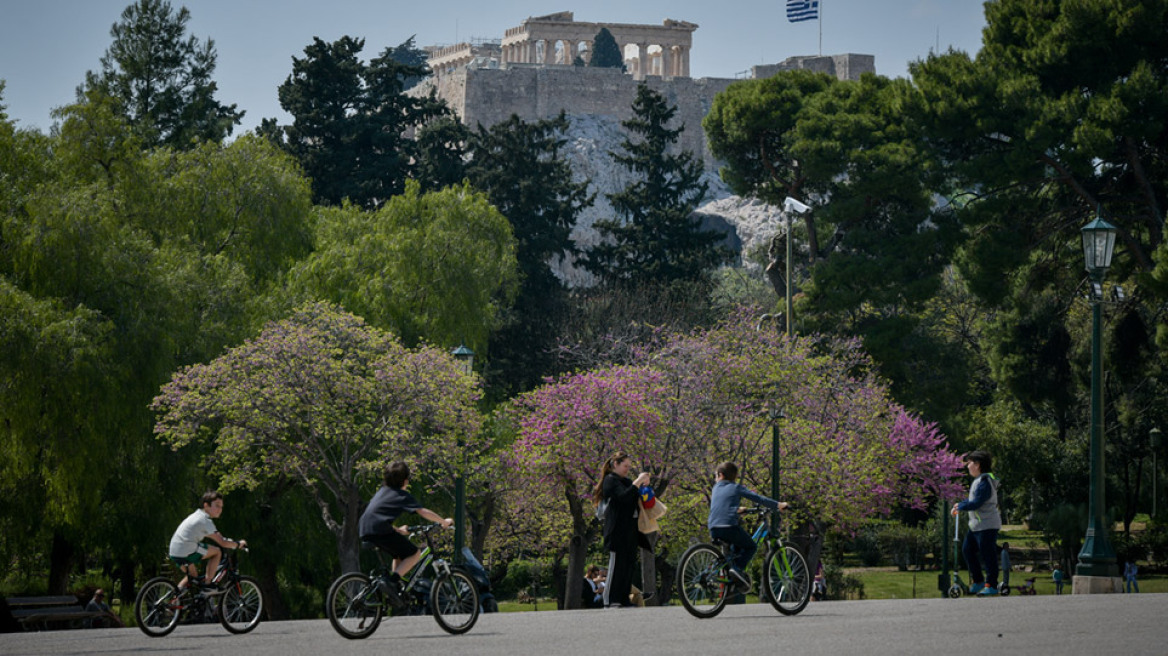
x,y
802,10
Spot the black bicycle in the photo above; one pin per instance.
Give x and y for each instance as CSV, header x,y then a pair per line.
x,y
704,581
233,598
356,602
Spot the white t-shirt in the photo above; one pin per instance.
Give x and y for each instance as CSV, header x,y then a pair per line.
x,y
193,529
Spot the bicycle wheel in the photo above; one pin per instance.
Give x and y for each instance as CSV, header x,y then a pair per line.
x,y
242,606
354,606
454,599
702,581
787,584
157,607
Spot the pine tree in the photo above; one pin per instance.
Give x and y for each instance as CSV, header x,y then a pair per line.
x,y
657,239
605,52
161,78
520,167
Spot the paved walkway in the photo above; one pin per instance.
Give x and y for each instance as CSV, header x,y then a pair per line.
x,y
1096,625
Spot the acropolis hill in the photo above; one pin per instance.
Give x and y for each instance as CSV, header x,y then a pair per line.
x,y
538,69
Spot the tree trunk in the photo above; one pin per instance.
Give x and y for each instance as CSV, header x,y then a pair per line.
x,y
126,587
480,526
348,540
274,606
60,564
577,551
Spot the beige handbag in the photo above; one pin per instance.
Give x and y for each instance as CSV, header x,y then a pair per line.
x,y
647,518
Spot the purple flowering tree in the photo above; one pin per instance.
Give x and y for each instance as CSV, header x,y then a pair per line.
x,y
324,400
848,451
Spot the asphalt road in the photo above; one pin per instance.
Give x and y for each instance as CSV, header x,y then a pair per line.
x,y
1096,624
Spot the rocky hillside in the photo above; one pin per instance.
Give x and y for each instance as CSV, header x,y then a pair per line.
x,y
590,140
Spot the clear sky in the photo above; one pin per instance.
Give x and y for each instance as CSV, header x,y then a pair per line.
x,y
46,46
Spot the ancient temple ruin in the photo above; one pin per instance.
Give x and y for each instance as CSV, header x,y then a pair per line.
x,y
559,40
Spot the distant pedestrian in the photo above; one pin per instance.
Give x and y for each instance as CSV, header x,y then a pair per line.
x,y
1130,570
1057,575
981,542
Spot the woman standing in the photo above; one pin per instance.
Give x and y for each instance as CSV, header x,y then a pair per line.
x,y
620,525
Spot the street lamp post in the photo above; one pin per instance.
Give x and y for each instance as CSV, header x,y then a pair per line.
x,y
775,416
1096,570
1156,439
465,357
791,205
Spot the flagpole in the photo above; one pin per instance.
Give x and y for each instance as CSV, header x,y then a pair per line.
x,y
820,21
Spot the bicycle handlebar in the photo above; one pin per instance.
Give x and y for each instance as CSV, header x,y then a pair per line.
x,y
422,529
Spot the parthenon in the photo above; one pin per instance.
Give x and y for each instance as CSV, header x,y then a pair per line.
x,y
558,40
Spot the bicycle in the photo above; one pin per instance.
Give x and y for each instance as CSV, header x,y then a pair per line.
x,y
704,581
235,599
356,602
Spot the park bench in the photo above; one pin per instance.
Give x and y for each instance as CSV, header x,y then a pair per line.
x,y
55,612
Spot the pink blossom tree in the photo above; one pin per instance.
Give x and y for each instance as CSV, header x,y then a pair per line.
x,y
848,452
324,400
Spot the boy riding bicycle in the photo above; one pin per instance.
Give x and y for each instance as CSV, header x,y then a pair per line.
x,y
723,519
376,525
187,547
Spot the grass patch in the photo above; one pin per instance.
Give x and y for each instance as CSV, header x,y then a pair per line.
x,y
885,584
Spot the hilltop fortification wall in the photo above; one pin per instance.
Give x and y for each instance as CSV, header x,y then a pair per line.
x,y
488,96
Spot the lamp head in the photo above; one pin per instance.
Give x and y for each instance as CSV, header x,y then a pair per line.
x,y
790,204
1098,244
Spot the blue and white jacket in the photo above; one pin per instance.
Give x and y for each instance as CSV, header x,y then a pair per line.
x,y
982,504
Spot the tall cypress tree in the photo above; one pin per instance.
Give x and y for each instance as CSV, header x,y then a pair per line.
x,y
520,167
605,52
656,238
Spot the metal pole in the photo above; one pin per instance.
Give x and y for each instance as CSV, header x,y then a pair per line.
x,y
943,578
788,213
459,511
775,458
1097,558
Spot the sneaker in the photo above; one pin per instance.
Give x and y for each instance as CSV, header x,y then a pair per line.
x,y
976,588
391,591
988,592
742,583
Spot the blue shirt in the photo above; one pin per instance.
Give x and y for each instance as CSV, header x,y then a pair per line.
x,y
724,499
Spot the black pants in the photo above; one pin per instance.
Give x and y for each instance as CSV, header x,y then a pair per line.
x,y
981,547
620,576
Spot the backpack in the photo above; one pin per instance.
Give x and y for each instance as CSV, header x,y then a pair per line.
x,y
601,509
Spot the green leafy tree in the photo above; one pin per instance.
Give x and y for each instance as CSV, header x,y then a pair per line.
x,y
117,266
436,267
1060,116
323,400
162,78
441,153
521,168
657,238
605,51
410,55
350,119
750,127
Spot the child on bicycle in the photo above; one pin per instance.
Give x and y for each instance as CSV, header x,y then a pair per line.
x,y
187,547
376,525
723,520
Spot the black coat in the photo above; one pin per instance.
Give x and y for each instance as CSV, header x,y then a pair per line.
x,y
620,521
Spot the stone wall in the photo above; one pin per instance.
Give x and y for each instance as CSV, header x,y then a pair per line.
x,y
534,92
844,67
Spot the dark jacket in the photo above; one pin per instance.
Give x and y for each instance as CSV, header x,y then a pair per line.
x,y
620,522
